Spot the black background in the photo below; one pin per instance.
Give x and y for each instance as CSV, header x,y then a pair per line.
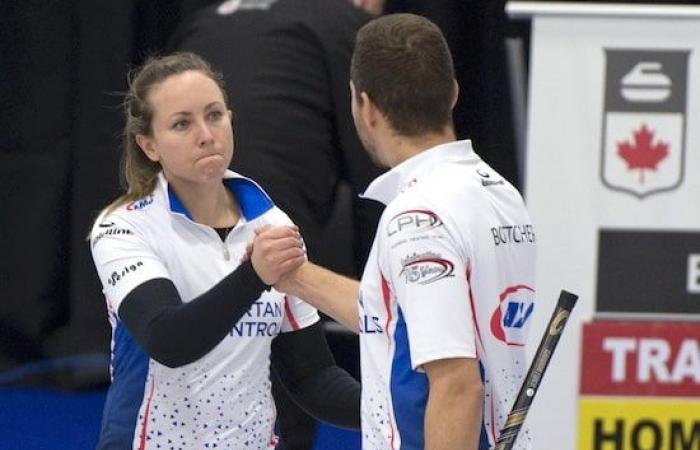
x,y
64,64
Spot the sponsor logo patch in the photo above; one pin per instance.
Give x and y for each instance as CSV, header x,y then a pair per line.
x,y
140,204
413,221
510,319
487,179
425,268
513,234
111,230
118,275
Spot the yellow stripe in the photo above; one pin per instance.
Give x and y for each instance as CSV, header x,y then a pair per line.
x,y
516,418
668,423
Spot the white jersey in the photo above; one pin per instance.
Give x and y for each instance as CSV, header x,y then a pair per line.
x,y
222,400
450,275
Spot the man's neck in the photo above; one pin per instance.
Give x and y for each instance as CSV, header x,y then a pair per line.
x,y
402,148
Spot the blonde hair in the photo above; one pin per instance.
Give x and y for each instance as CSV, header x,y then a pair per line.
x,y
138,174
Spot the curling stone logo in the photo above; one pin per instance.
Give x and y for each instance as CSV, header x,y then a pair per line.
x,y
643,137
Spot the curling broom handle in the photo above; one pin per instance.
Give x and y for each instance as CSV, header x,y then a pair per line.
x,y
515,419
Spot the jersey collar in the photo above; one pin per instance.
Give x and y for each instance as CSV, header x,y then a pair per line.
x,y
251,198
390,184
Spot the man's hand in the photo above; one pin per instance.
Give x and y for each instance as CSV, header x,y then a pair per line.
x,y
276,251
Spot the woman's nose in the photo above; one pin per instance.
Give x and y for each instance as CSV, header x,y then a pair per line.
x,y
205,134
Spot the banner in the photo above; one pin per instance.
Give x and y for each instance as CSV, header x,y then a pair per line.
x,y
613,186
648,272
640,386
630,424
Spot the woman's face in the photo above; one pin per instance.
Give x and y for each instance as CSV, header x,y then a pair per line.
x,y
192,135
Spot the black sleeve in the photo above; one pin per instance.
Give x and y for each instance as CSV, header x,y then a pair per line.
x,y
304,363
176,333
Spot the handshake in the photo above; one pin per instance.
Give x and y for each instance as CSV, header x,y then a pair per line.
x,y
276,253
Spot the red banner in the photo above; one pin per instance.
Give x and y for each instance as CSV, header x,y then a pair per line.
x,y
641,358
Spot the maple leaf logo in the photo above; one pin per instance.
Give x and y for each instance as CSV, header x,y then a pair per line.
x,y
642,155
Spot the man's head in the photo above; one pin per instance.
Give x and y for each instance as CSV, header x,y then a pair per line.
x,y
403,66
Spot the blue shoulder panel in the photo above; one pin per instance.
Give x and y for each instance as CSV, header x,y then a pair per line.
x,y
176,205
409,392
253,201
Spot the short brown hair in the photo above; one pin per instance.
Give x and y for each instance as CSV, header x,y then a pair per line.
x,y
403,63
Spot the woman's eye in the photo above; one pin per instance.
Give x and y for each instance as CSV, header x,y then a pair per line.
x,y
215,115
180,124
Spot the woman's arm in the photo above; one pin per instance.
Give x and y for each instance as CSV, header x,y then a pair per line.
x,y
176,333
304,363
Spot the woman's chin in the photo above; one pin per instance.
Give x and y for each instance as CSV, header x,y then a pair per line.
x,y
213,167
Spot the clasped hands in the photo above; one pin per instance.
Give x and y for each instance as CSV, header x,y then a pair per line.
x,y
276,252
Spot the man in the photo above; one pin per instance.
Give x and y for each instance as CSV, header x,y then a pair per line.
x,y
448,289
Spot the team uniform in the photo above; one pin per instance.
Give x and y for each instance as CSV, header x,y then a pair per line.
x,y
450,275
223,399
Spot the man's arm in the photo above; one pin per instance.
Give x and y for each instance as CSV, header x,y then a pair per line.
x,y
453,415
329,292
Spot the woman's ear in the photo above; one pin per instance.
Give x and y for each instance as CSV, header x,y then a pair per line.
x,y
147,145
232,119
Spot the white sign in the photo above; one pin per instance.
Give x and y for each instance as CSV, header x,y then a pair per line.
x,y
613,143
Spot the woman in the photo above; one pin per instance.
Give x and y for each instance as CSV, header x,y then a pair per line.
x,y
189,297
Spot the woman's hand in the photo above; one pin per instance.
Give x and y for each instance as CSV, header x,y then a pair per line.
x,y
275,251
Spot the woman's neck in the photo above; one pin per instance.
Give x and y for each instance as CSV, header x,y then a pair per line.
x,y
209,204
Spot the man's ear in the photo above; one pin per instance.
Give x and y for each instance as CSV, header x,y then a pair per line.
x,y
455,93
363,107
147,145
368,110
